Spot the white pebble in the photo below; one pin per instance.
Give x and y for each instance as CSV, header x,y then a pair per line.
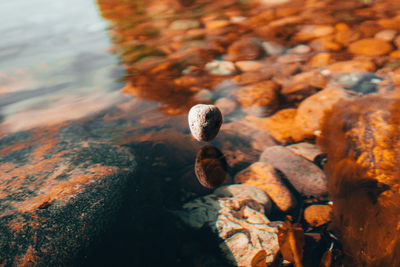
x,y
204,121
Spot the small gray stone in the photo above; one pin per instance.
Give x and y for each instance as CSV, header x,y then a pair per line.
x,y
204,122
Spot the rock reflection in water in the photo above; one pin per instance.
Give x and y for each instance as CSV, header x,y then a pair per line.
x,y
211,167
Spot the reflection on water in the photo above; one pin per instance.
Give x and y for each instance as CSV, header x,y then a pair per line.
x,y
54,63
211,167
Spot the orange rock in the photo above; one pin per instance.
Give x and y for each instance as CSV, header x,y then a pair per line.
x,y
368,28
308,32
321,59
370,47
386,35
264,176
395,54
280,126
346,36
311,111
326,43
397,42
244,49
217,24
352,66
392,23
317,215
249,65
263,94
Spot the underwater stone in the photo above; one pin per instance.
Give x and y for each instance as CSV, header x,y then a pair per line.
x,y
204,121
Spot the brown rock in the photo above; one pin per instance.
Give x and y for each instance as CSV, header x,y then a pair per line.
x,y
321,60
326,43
397,42
345,35
280,125
368,28
306,178
390,23
311,111
226,105
244,49
253,77
308,32
265,177
317,215
249,65
395,54
263,94
370,47
302,86
352,66
306,150
217,24
386,35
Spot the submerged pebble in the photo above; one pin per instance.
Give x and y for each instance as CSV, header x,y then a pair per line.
x,y
204,121
210,167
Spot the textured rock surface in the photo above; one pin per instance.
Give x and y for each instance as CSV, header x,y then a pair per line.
x,y
57,192
236,214
264,176
204,121
306,178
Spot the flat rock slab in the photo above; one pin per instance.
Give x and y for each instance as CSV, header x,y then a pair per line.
x,y
306,178
56,195
236,214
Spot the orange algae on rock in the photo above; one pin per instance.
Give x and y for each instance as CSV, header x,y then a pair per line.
x,y
361,138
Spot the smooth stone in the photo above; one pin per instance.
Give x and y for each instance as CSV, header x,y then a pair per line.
x,y
226,105
370,47
318,215
306,150
244,49
210,167
306,178
220,67
249,65
386,35
264,176
204,121
311,111
236,214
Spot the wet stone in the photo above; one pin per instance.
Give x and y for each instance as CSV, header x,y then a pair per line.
x,y
236,213
306,178
204,122
244,49
318,215
219,67
264,176
306,150
370,47
210,167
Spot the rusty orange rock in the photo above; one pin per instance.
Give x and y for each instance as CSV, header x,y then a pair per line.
x,y
244,49
318,215
321,60
265,177
352,66
370,47
308,32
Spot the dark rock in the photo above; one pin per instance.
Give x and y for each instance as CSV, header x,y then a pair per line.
x,y
306,178
57,194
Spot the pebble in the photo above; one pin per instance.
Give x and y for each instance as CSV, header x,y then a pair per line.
x,y
370,47
308,32
386,35
321,60
220,67
226,105
312,110
204,121
272,48
210,167
306,150
204,96
318,215
244,49
300,49
306,178
264,176
249,65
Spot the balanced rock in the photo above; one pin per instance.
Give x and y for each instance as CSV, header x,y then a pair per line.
x,y
204,121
